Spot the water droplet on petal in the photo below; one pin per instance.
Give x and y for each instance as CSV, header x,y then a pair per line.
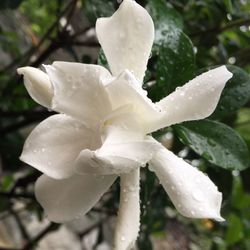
x,y
198,196
123,238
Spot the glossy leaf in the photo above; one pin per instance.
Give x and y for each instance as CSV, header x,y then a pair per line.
x,y
242,124
240,199
216,142
102,60
235,230
166,19
98,8
236,93
172,70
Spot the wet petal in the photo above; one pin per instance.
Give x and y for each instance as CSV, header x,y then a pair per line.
x,y
55,143
129,39
125,90
192,192
196,100
128,221
121,152
70,198
78,91
38,85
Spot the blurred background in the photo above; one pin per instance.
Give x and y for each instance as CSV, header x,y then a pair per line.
x,y
191,36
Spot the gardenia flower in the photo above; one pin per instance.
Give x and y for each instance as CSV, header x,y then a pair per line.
x,y
103,129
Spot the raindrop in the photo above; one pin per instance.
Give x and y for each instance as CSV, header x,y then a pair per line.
x,y
232,60
198,196
235,172
69,78
229,17
192,212
123,238
43,150
211,142
182,93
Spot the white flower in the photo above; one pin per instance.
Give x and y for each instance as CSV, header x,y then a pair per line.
x,y
104,126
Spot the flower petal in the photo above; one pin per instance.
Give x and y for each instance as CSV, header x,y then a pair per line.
x,y
38,85
128,221
78,91
55,143
128,42
121,152
70,198
125,90
192,192
195,100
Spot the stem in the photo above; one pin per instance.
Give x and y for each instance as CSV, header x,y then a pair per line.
x,y
236,23
128,221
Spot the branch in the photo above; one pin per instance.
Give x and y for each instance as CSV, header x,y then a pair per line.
x,y
34,241
88,230
33,50
25,113
21,124
86,44
236,23
17,195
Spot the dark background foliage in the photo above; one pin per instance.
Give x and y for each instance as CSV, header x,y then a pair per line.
x,y
191,37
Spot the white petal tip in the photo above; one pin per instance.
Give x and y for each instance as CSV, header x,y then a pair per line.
x,y
219,219
224,72
21,71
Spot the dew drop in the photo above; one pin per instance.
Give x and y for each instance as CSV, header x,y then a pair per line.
x,y
182,93
198,196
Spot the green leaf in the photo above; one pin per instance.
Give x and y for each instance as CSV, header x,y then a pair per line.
x,y
102,60
242,124
9,4
166,19
235,230
229,5
175,65
216,142
174,50
236,93
98,8
240,199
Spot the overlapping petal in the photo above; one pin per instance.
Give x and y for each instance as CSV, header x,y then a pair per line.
x,y
121,152
196,100
192,192
128,221
79,92
55,143
125,90
70,198
127,38
38,85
